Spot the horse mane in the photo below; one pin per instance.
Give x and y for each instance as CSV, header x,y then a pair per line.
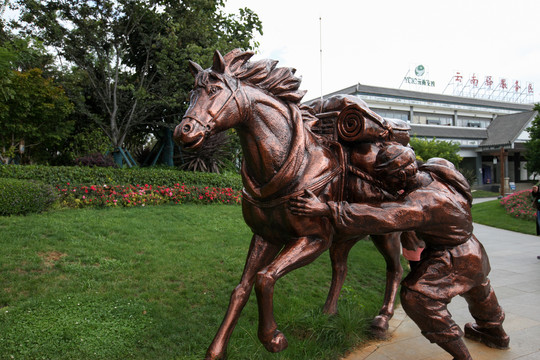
x,y
279,81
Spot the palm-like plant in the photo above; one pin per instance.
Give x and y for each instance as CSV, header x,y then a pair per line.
x,y
210,157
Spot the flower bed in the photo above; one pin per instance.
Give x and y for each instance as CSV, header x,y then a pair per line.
x,y
519,204
144,195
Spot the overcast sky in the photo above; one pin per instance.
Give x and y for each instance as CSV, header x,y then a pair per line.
x,y
376,42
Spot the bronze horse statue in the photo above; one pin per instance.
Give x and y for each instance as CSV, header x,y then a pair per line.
x,y
283,157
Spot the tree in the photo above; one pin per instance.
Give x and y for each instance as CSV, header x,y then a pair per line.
x,y
135,53
7,58
533,144
33,109
426,149
87,137
94,36
33,116
21,54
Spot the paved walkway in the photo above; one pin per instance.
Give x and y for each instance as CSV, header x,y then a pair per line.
x,y
515,276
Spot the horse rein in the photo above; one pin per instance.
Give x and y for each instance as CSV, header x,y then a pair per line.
x,y
339,171
315,187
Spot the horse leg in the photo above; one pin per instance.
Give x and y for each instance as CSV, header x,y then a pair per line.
x,y
299,252
260,254
339,253
390,247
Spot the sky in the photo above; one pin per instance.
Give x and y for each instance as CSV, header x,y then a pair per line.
x,y
379,42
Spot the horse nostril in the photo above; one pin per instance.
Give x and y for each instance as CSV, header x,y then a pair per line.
x,y
187,128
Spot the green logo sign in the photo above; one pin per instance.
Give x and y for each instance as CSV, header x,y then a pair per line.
x,y
419,70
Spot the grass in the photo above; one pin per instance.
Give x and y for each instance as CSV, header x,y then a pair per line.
x,y
154,283
492,213
484,194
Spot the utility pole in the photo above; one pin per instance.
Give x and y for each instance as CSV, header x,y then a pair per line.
x,y
320,59
502,171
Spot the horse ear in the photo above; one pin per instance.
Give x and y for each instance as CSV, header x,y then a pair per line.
x,y
219,63
194,68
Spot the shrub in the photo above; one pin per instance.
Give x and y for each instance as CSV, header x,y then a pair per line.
x,y
470,175
96,159
426,149
519,204
77,175
23,197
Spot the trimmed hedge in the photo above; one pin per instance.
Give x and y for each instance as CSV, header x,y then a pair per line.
x,y
19,197
77,175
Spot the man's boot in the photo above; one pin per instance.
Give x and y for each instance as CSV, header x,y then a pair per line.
x,y
457,349
494,337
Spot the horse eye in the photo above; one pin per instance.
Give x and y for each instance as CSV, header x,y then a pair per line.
x,y
213,90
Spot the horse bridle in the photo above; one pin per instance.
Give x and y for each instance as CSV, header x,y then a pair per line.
x,y
209,125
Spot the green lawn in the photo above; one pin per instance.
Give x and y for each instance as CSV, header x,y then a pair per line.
x,y
154,283
492,213
484,194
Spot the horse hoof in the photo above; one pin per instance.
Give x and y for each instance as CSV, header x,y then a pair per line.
x,y
379,326
277,343
215,357
330,310
212,356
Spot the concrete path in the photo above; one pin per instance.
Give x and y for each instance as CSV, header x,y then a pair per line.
x,y
515,276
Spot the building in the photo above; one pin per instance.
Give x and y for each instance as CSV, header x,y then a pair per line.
x,y
485,129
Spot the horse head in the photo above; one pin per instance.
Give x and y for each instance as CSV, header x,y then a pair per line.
x,y
220,98
215,103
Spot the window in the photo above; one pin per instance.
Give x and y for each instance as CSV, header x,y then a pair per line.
x,y
433,119
393,114
469,121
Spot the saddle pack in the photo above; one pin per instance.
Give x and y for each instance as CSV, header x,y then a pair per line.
x,y
348,120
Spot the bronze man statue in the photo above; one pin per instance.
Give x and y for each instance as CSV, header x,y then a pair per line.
x,y
434,200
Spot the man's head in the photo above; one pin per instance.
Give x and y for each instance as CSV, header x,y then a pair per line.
x,y
396,167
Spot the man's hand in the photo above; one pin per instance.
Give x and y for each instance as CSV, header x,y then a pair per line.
x,y
309,205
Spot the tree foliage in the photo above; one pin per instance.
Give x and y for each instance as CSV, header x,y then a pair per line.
x,y
20,54
426,149
33,108
533,145
33,118
132,55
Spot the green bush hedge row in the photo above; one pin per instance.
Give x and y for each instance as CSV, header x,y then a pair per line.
x,y
19,197
78,175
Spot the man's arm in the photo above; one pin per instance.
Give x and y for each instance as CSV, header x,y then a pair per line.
x,y
381,218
